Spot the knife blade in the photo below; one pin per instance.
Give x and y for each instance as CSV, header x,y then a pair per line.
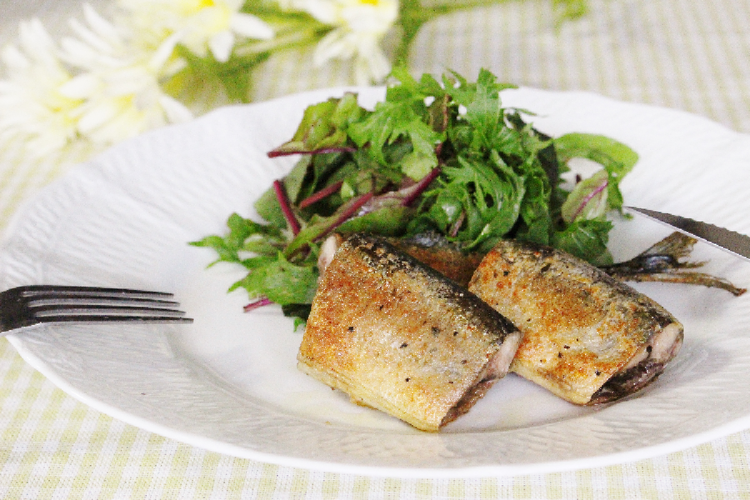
x,y
725,239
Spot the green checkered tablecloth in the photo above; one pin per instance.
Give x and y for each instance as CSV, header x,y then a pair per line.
x,y
689,55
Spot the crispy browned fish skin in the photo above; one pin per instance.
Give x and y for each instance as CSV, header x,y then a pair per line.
x,y
581,327
400,337
438,253
431,249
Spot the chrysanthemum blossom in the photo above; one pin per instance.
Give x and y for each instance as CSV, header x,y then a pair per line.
x,y
36,117
360,26
203,26
119,86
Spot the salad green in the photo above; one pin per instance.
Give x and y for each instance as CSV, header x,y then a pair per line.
x,y
436,155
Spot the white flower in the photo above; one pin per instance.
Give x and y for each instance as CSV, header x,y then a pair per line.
x,y
360,27
119,85
36,117
201,25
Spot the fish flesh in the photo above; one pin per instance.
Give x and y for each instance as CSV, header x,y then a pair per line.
x,y
587,337
400,337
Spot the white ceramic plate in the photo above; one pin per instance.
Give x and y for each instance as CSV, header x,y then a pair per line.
x,y
229,383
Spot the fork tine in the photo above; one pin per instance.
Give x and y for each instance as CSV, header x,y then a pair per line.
x,y
28,306
86,291
71,313
38,301
84,304
45,299
49,310
118,318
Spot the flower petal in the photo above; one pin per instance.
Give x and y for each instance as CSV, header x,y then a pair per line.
x,y
94,117
372,66
175,111
90,38
14,59
100,26
81,86
221,45
250,27
335,45
164,52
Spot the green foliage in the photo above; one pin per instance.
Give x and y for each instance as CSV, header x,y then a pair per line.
x,y
482,174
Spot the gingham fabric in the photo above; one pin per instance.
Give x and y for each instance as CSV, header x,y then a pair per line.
x,y
690,55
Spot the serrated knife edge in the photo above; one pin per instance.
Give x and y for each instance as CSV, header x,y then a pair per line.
x,y
733,242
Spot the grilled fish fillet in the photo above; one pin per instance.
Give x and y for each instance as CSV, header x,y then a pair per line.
x,y
436,251
586,337
431,249
400,337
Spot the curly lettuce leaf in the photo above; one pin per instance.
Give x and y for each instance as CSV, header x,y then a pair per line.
x,y
484,113
617,159
483,197
588,200
244,235
323,127
280,281
434,155
404,115
586,239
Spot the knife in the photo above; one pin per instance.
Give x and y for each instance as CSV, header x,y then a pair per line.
x,y
730,241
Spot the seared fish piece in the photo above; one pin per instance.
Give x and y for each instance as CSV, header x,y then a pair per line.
x,y
400,337
432,249
440,254
586,337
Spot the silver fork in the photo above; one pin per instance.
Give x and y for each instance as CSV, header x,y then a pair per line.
x,y
28,306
